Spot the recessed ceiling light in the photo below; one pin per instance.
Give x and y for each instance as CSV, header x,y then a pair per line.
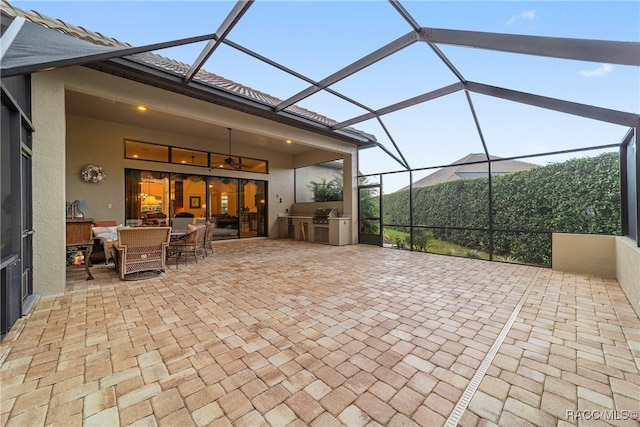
x,y
141,108
288,141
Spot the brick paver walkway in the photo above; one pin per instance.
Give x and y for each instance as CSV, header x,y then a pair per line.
x,y
277,332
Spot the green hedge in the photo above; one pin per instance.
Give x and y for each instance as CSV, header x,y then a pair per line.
x,y
576,196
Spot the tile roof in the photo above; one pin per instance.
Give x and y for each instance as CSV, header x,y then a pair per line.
x,y
472,165
172,66
57,24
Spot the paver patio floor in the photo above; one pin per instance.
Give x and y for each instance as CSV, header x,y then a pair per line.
x,y
278,332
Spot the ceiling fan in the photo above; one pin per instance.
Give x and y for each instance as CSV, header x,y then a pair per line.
x,y
230,160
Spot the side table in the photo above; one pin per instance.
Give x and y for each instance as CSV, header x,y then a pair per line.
x,y
80,239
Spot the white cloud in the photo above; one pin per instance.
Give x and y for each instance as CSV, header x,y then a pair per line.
x,y
600,71
527,15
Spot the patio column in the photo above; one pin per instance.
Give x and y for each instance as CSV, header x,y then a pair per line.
x,y
350,192
49,274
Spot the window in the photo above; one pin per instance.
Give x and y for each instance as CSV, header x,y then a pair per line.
x,y
189,157
144,151
188,195
146,197
183,156
322,182
222,161
254,165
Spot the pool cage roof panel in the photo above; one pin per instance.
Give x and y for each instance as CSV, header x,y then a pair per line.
x,y
323,66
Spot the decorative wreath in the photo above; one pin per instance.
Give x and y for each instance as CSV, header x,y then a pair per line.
x,y
93,173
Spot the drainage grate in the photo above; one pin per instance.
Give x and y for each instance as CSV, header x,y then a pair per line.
x,y
471,389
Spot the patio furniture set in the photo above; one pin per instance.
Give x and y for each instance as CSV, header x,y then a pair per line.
x,y
136,250
196,241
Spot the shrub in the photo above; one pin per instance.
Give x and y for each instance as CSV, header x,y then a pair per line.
x,y
576,196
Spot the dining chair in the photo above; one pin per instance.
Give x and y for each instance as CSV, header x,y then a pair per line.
x,y
189,244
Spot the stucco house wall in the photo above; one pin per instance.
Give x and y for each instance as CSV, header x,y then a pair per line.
x,y
584,253
91,141
48,184
628,270
601,255
63,144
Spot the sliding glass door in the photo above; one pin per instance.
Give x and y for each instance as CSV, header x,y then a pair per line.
x,y
236,206
224,207
146,198
252,218
188,196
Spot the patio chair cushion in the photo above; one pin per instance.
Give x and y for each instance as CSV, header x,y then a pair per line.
x,y
109,223
109,234
191,235
105,234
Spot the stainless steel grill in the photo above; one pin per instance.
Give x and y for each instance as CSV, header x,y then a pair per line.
x,y
321,215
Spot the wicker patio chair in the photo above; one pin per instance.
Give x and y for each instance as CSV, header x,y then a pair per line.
x,y
190,244
141,249
104,234
208,239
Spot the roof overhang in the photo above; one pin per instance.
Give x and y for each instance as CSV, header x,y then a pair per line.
x,y
151,76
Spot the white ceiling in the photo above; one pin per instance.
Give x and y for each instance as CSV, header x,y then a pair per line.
x,y
84,105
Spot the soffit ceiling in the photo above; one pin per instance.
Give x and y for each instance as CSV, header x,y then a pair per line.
x,y
84,105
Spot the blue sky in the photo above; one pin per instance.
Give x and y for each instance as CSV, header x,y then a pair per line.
x,y
317,38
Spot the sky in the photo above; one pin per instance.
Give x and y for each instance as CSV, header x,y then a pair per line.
x,y
318,38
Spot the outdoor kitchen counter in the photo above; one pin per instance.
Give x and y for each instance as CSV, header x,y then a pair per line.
x,y
301,227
